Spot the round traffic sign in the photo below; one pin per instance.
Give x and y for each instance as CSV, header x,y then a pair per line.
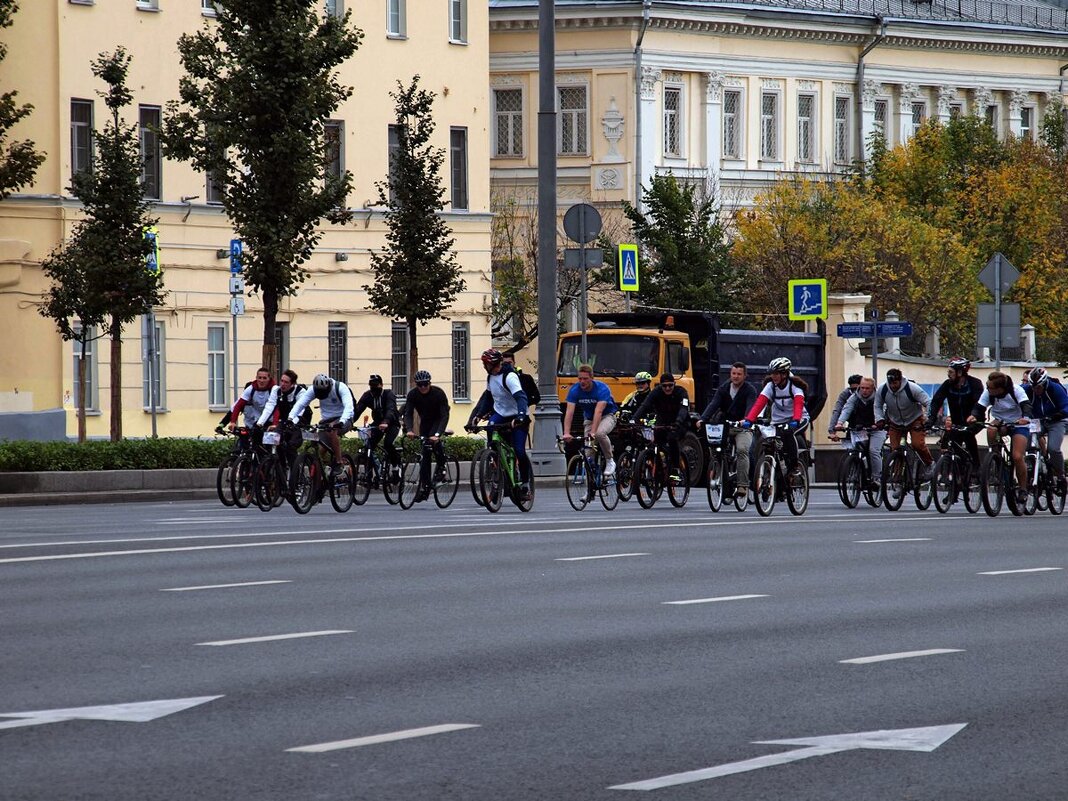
x,y
582,223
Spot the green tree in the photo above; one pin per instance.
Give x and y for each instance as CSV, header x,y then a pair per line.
x,y
258,89
19,160
417,277
99,277
686,250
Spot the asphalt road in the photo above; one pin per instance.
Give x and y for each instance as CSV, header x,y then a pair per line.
x,y
514,666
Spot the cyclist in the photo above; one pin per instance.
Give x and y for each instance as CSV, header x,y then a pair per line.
x,y
785,393
279,407
859,412
1049,401
530,386
598,413
505,402
731,403
1011,408
643,383
433,408
382,404
254,401
671,406
961,392
832,427
902,404
335,410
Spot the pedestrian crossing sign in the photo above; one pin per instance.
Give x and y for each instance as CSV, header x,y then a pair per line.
x,y
628,268
807,298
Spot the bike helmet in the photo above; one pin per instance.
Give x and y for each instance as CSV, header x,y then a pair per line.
x,y
322,384
960,363
423,376
643,377
374,379
491,358
780,365
1039,377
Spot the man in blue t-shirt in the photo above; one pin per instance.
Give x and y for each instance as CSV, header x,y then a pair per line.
x,y
598,412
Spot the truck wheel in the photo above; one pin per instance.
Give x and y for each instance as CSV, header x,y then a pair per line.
x,y
690,447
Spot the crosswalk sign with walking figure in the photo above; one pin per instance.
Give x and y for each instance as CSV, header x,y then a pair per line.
x,y
807,298
628,268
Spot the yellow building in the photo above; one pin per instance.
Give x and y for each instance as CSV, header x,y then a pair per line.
x,y
327,326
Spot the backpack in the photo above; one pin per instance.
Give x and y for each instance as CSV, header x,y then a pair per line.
x,y
908,391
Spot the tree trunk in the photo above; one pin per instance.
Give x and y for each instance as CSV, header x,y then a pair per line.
x,y
413,351
116,380
81,388
270,346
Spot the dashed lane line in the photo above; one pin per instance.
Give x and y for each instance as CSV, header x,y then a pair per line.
x,y
227,586
275,637
868,660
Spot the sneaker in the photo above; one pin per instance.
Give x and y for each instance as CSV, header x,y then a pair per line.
x,y
1021,497
741,491
439,476
610,468
422,495
675,477
337,472
524,492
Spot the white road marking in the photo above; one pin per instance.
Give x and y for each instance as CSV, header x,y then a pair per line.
x,y
902,539
605,556
273,637
389,737
226,586
867,660
714,600
1027,570
194,521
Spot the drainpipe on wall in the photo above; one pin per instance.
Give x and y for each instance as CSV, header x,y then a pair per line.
x,y
646,6
879,37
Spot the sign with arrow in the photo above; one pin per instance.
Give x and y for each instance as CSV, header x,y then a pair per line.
x,y
140,712
925,739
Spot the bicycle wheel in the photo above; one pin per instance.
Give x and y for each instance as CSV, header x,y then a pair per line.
x,y
741,502
445,489
524,501
922,486
1045,478
1056,489
944,483
475,492
304,483
972,482
363,475
392,481
650,467
222,481
715,481
1030,504
265,489
409,487
242,480
679,489
797,491
341,497
491,480
993,493
625,474
764,489
895,480
850,479
608,492
577,483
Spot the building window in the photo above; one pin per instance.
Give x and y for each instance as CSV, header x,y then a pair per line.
x,y
159,382
207,8
93,402
218,397
335,8
458,167
806,125
673,121
458,21
334,136
148,5
508,119
881,110
337,351
281,344
151,158
769,126
396,17
81,136
732,106
991,116
214,188
919,115
461,361
393,154
400,352
842,149
956,111
1027,123
571,134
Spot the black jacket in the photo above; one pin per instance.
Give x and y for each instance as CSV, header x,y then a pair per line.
x,y
383,407
673,408
961,399
286,401
728,408
433,408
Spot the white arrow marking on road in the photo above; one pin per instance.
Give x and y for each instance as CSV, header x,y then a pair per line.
x,y
923,739
141,712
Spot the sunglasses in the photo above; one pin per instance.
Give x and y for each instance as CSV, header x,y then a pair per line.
x,y
668,386
422,383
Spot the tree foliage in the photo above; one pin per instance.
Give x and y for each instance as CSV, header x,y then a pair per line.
x,y
258,89
417,277
19,159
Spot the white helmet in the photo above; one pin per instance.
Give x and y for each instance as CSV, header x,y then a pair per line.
x,y
780,365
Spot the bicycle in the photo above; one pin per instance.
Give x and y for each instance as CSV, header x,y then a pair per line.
x,y
855,472
627,435
585,478
999,475
954,473
653,476
771,482
497,468
443,484
904,473
368,473
723,466
309,481
1050,489
270,485
224,475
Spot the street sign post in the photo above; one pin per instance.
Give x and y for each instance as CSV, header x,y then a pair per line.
x,y
582,223
998,276
237,300
807,299
628,270
148,326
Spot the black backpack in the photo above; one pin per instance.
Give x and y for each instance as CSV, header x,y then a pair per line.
x,y
908,391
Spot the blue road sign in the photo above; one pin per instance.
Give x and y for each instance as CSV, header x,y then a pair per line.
x,y
856,330
807,298
152,259
628,268
235,256
900,329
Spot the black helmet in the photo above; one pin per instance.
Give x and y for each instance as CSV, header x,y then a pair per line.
x,y
423,376
374,379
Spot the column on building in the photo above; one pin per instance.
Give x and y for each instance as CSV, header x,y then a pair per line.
x,y
981,99
868,94
946,96
714,82
651,76
1016,104
907,93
